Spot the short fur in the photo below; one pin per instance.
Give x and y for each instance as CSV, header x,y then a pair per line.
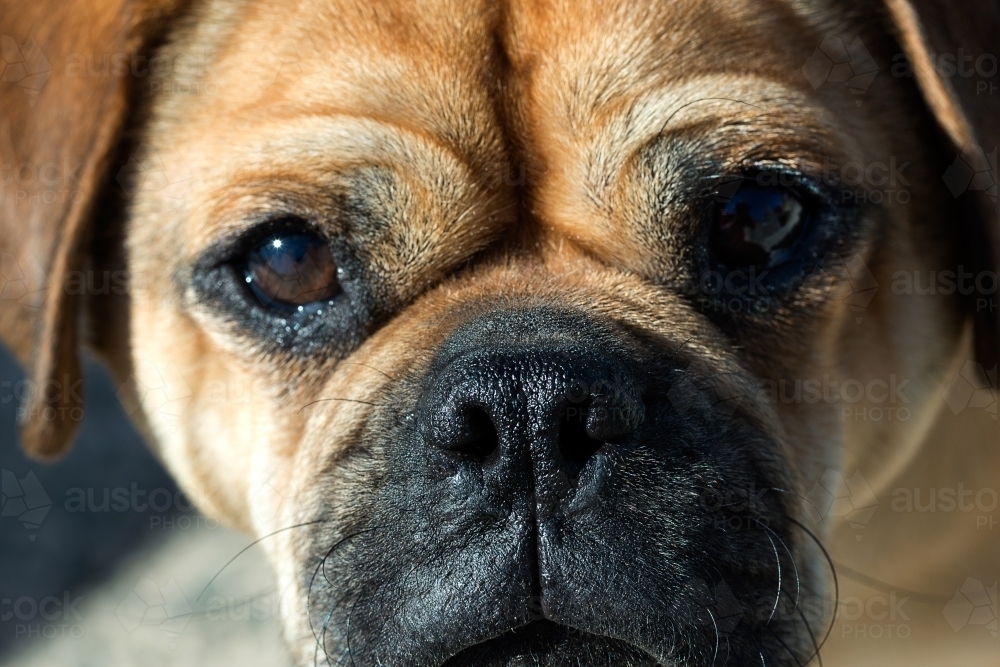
x,y
547,165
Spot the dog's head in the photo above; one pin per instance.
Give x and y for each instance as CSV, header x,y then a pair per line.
x,y
484,315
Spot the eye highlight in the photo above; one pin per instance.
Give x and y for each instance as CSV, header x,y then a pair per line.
x,y
292,270
758,226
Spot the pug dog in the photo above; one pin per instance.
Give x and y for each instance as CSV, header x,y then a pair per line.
x,y
521,332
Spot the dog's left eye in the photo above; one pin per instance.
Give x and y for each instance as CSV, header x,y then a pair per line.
x,y
292,270
757,226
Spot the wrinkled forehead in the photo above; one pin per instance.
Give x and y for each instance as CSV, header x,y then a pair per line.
x,y
447,67
467,100
421,71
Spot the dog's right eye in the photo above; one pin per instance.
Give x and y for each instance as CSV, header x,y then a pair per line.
x,y
292,270
287,283
758,226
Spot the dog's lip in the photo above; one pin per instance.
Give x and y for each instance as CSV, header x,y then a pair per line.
x,y
534,630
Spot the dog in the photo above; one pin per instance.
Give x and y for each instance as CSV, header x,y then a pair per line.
x,y
533,333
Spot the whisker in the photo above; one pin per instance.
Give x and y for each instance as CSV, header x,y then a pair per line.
x,y
350,618
836,584
785,646
795,568
799,496
251,545
777,598
322,564
321,638
345,400
738,374
679,348
716,625
663,128
377,370
321,642
812,636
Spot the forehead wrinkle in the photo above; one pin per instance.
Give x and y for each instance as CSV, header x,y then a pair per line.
x,y
429,67
581,65
752,117
348,136
578,76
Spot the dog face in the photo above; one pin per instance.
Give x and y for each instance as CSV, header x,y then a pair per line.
x,y
502,290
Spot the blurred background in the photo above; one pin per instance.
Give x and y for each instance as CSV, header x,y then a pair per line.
x,y
104,562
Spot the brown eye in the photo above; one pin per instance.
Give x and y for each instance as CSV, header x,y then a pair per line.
x,y
292,270
757,226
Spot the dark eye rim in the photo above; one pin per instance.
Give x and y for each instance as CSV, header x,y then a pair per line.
x,y
236,244
216,281
838,223
829,212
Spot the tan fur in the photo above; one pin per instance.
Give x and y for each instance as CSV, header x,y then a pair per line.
x,y
509,149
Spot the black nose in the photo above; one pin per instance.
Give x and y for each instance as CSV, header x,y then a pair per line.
x,y
540,412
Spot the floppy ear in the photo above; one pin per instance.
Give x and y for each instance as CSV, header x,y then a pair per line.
x,y
939,37
60,123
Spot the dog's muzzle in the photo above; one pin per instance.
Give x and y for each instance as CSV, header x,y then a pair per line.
x,y
545,501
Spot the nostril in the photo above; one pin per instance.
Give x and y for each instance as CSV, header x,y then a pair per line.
x,y
477,436
575,444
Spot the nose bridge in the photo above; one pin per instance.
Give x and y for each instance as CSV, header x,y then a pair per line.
x,y
521,390
527,388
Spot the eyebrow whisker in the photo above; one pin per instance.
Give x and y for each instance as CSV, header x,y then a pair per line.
x,y
377,370
663,128
345,400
